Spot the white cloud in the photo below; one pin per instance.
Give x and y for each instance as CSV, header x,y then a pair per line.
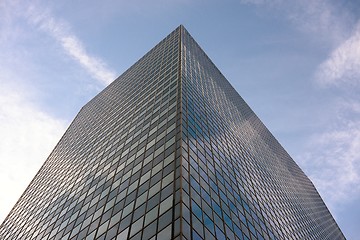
x,y
60,31
333,163
334,26
27,137
343,65
28,133
332,158
255,2
322,19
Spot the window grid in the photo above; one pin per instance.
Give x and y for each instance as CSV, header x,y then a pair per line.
x,y
169,150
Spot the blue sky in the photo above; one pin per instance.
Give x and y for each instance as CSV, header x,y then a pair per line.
x,y
296,63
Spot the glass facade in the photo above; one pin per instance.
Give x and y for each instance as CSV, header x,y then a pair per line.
x,y
169,150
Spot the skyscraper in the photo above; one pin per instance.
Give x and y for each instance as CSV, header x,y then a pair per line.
x,y
169,150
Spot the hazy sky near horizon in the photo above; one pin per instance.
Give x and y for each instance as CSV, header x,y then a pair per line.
x,y
296,63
